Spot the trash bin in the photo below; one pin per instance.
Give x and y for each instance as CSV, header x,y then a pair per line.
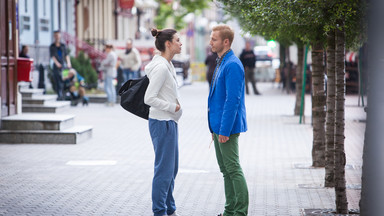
x,y
24,68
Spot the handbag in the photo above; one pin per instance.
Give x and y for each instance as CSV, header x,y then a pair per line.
x,y
132,96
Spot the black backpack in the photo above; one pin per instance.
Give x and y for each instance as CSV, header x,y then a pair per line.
x,y
132,96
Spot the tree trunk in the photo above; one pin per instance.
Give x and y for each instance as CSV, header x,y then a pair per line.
x,y
287,71
318,106
340,160
330,115
299,77
282,65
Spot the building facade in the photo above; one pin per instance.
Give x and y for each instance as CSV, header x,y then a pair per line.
x,y
38,19
8,55
100,21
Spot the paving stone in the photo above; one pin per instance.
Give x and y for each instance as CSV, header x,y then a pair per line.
x,y
36,180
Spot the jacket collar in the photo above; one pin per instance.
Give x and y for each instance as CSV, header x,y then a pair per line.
x,y
221,62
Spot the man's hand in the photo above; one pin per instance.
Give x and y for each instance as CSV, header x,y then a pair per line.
x,y
223,139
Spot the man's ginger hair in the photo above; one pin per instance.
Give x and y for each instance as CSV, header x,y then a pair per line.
x,y
225,32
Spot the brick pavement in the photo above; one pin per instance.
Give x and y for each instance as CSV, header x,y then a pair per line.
x,y
275,153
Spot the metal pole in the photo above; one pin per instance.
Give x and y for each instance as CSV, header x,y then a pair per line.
x,y
304,81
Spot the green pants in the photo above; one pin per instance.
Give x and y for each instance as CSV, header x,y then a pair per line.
x,y
236,190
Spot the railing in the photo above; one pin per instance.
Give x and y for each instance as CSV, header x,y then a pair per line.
x,y
95,55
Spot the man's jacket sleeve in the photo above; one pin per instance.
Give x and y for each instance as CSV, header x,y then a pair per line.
x,y
234,83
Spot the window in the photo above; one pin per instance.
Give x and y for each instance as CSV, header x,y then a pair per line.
x,y
26,22
44,25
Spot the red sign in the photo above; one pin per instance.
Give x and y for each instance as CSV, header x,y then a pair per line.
x,y
126,4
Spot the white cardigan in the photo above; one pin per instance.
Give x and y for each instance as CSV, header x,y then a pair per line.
x,y
162,93
108,65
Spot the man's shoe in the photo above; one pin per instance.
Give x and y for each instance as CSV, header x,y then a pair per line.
x,y
174,214
220,215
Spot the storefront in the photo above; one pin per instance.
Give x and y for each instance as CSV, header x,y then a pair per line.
x,y
8,52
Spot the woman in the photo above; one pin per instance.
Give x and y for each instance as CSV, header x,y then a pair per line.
x,y
162,96
108,65
24,52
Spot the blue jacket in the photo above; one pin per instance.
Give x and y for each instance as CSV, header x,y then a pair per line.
x,y
226,106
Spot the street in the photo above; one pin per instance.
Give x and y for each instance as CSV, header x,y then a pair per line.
x,y
111,173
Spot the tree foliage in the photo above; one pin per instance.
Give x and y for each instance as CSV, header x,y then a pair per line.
x,y
83,66
177,10
290,21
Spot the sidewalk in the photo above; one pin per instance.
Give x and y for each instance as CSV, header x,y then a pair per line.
x,y
111,174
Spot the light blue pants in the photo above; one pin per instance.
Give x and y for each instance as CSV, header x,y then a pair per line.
x,y
110,89
164,136
130,74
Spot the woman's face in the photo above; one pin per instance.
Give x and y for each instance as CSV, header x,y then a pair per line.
x,y
25,50
175,45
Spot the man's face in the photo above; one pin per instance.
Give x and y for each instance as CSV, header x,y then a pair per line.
x,y
129,45
216,43
57,36
248,46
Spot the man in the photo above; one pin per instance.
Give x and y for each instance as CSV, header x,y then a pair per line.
x,y
226,119
248,58
130,61
74,83
60,57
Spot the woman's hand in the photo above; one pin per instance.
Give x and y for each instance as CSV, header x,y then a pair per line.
x,y
177,107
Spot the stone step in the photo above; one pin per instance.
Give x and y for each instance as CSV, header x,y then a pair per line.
x,y
100,98
37,122
48,107
27,93
71,135
24,85
39,99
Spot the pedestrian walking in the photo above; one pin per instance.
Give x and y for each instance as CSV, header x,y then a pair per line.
x,y
163,98
227,119
108,66
61,60
248,58
130,61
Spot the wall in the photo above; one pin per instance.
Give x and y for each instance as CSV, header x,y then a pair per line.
x,y
96,22
37,21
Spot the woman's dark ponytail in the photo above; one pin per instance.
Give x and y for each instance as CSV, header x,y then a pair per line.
x,y
162,36
155,32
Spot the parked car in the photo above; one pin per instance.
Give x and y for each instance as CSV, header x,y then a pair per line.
x,y
182,67
263,53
